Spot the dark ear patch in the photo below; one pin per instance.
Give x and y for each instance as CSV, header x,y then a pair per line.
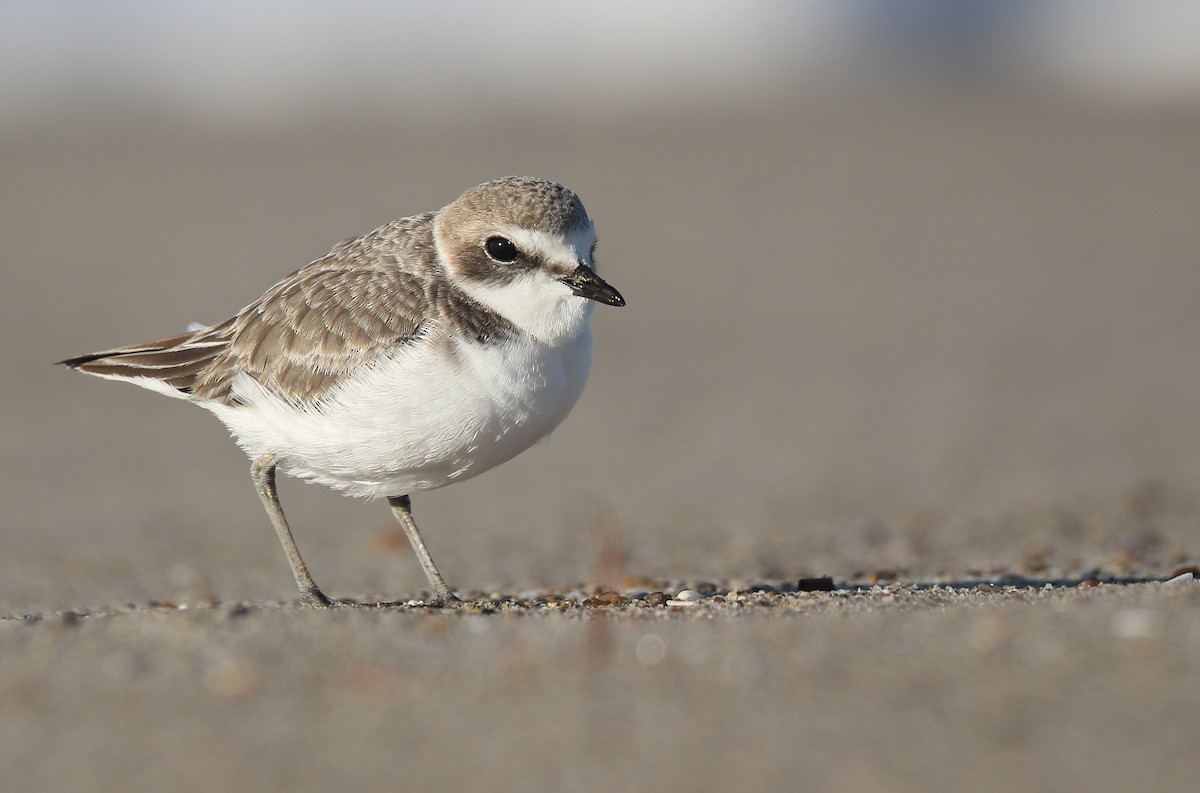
x,y
487,262
474,265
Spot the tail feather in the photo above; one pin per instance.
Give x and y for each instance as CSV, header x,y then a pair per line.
x,y
163,365
158,345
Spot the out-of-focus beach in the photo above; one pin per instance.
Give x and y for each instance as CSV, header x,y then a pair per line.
x,y
918,337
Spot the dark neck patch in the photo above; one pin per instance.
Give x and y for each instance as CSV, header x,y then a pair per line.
x,y
470,317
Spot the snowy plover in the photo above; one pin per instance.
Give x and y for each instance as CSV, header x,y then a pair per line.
x,y
423,353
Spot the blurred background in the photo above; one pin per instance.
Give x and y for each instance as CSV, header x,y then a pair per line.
x,y
911,285
912,293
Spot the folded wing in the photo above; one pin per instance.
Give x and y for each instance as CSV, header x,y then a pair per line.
x,y
298,340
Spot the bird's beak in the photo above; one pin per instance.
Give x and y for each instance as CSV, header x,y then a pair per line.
x,y
585,283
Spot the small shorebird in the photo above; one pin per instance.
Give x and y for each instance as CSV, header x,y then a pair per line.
x,y
421,354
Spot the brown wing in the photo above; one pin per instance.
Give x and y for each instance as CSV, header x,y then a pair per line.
x,y
308,331
315,327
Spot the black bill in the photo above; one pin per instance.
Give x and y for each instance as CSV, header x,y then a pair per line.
x,y
585,283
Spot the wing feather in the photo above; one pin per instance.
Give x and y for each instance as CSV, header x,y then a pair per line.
x,y
363,300
305,335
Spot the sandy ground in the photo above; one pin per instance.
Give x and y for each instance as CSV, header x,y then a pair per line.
x,y
933,344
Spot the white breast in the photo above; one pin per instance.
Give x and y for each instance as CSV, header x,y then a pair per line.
x,y
433,414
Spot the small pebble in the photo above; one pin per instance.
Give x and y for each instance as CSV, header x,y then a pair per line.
x,y
606,599
237,611
689,594
821,584
1182,578
656,598
69,618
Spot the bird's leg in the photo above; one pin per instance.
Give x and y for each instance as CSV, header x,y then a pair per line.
x,y
402,509
262,471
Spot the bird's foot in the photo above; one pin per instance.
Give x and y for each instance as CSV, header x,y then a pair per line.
x,y
314,598
443,599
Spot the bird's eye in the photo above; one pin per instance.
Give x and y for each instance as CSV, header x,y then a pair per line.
x,y
501,249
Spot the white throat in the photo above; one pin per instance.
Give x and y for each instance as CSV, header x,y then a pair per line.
x,y
542,306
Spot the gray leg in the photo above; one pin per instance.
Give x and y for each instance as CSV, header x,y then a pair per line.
x,y
402,509
262,471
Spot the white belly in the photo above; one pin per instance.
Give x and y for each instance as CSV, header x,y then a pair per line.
x,y
420,420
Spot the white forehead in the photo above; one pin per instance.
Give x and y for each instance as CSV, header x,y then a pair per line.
x,y
573,247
